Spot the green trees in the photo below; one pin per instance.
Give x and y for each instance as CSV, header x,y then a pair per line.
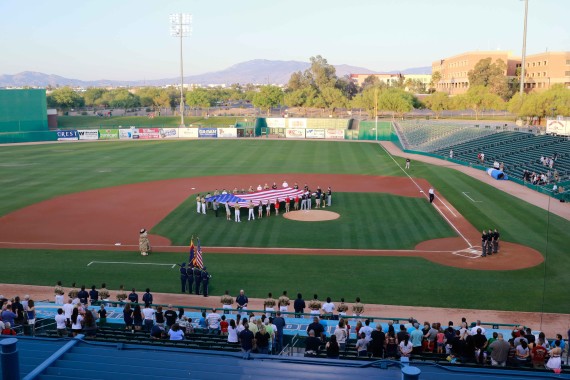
x,y
491,75
438,102
200,97
65,98
268,97
477,99
552,102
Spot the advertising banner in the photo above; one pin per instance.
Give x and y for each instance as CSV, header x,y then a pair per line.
x,y
315,133
275,122
67,135
227,132
168,133
108,134
295,133
297,123
88,134
337,134
207,132
188,133
148,133
559,127
126,133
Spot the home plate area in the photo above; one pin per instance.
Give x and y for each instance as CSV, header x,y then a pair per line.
x,y
470,253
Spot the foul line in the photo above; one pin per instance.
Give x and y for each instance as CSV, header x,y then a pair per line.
x,y
127,262
472,200
437,208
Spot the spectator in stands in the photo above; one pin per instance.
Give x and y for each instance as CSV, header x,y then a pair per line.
x,y
440,341
148,314
362,345
133,296
341,334
76,320
299,306
555,362
60,323
89,324
430,335
8,330
59,293
522,354
224,326
538,355
488,349
7,315
18,309
499,351
402,333
312,344
332,348
391,345
480,342
137,318
157,332
232,332
159,316
416,337
280,324
102,312
262,339
317,328
406,346
376,345
213,320
176,332
246,339
170,317
93,295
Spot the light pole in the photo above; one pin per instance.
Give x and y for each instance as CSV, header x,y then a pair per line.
x,y
376,111
524,48
180,27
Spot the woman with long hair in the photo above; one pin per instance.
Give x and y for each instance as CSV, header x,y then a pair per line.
x,y
31,314
137,318
232,332
89,324
76,320
128,317
406,346
332,348
391,345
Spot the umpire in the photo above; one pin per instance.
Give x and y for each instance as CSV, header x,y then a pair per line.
x,y
197,280
183,277
484,238
190,277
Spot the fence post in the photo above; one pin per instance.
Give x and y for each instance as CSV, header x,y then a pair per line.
x,y
10,362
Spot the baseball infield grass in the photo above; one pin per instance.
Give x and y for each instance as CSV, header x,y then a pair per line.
x,y
29,174
367,221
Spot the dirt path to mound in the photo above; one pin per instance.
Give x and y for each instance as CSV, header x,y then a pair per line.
x,y
550,323
99,219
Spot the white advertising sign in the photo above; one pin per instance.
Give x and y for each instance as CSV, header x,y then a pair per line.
x,y
229,132
275,122
168,133
88,134
295,133
315,133
188,133
337,134
297,123
559,127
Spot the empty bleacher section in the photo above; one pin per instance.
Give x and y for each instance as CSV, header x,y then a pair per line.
x,y
429,136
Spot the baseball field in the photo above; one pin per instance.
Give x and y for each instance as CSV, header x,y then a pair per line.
x,y
65,207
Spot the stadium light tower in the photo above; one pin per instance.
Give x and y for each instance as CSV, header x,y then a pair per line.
x,y
524,49
180,26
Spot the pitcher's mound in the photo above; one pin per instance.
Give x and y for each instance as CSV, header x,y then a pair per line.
x,y
311,215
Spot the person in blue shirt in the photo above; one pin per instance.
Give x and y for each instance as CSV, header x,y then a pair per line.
x,y
246,339
183,277
134,297
93,295
147,297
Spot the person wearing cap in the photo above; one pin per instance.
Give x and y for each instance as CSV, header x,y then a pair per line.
x,y
183,277
205,280
197,280
144,243
190,276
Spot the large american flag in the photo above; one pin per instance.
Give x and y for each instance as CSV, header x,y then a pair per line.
x,y
265,196
198,257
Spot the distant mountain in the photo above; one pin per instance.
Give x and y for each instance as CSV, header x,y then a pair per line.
x,y
415,70
257,71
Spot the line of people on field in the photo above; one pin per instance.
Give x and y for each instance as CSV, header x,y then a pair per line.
x,y
490,242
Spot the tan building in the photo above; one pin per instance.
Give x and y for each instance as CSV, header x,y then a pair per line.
x,y
454,70
389,79
546,69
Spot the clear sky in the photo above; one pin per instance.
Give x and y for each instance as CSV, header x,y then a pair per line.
x,y
129,39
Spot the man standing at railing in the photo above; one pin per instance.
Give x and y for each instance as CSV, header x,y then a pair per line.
x,y
279,323
242,301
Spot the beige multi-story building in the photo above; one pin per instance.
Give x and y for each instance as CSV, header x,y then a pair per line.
x,y
454,70
547,69
389,79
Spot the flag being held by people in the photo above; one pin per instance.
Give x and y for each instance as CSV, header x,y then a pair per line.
x,y
198,257
192,258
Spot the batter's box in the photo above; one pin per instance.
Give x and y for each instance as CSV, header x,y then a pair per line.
x,y
469,253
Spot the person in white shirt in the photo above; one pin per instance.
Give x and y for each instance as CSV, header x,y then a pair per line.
x,y
367,330
341,334
477,326
148,314
232,332
176,333
67,310
328,307
213,320
60,323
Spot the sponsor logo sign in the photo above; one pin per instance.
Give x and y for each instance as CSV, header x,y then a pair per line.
x,y
315,133
275,122
126,133
67,135
108,134
227,132
148,133
188,133
207,132
559,127
297,123
168,133
295,133
337,134
88,134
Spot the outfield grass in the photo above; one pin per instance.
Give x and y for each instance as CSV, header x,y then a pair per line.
x,y
29,174
87,122
368,221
